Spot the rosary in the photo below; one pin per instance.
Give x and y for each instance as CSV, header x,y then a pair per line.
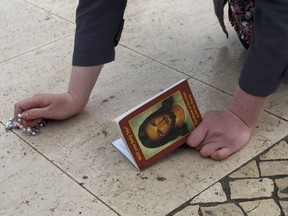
x,y
33,131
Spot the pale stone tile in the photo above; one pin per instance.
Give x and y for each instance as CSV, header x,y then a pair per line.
x,y
284,205
272,168
282,185
214,193
261,207
229,209
278,101
280,151
40,71
177,39
191,210
25,27
82,145
63,8
248,171
31,185
182,39
251,188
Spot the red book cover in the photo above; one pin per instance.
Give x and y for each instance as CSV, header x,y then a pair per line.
x,y
158,126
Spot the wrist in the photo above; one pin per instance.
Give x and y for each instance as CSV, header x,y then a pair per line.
x,y
78,102
247,107
82,82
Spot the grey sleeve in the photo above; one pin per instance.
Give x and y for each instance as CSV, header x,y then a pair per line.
x,y
99,24
267,57
219,11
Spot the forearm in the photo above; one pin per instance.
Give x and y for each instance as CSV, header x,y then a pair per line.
x,y
247,107
99,25
81,84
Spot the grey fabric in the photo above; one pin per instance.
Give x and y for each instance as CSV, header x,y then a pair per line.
x,y
219,11
267,58
99,24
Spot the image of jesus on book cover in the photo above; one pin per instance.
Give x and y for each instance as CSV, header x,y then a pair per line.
x,y
162,125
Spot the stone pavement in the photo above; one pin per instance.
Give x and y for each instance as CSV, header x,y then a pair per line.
x,y
259,187
72,167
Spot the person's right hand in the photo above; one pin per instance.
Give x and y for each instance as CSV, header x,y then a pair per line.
x,y
47,106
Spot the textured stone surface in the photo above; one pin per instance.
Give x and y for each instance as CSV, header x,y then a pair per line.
x,y
282,184
249,170
214,193
284,205
82,145
160,45
251,188
245,188
261,207
25,27
272,168
32,185
64,8
190,210
280,151
223,209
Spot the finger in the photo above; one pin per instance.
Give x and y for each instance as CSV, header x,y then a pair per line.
x,y
30,123
221,154
17,110
210,148
197,135
36,101
35,114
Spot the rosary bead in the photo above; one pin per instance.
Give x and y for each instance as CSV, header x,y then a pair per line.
x,y
28,129
8,126
33,131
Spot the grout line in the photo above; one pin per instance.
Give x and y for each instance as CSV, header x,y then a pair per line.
x,y
71,22
224,181
63,171
175,69
27,1
36,48
134,50
192,77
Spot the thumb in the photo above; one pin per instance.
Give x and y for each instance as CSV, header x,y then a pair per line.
x,y
197,135
37,101
33,114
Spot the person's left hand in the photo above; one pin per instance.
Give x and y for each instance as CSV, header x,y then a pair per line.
x,y
220,134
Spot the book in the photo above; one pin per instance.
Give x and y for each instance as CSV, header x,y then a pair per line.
x,y
157,126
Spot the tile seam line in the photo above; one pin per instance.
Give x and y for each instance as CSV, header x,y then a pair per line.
x,y
226,179
56,15
179,71
36,48
175,69
64,172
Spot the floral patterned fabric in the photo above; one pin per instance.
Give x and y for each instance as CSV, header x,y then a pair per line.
x,y
241,14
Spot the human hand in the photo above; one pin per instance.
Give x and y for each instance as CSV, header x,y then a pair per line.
x,y
220,134
60,106
47,106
